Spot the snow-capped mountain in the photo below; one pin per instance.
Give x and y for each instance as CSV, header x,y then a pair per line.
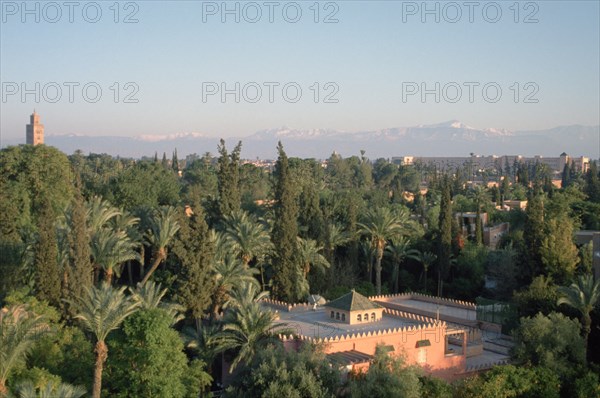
x,y
451,138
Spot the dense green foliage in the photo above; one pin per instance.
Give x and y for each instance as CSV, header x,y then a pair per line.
x,y
277,373
386,377
147,359
287,277
85,241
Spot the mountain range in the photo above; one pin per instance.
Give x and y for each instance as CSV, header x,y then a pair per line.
x,y
452,138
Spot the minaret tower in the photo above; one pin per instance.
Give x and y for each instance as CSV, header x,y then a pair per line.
x,y
35,130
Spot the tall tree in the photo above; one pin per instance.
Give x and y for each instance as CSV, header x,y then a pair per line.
x,y
247,329
566,176
47,280
399,250
335,237
583,295
247,237
163,228
150,297
533,233
480,197
592,182
229,178
380,225
286,264
175,162
426,259
309,253
310,216
100,311
558,252
228,274
111,249
445,233
195,251
80,266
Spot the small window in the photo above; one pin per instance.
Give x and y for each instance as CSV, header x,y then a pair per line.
x,y
359,318
332,314
372,316
343,317
337,315
366,317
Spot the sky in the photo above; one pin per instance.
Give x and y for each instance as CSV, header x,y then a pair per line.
x,y
134,68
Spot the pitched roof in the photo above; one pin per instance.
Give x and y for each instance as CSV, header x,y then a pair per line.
x,y
353,302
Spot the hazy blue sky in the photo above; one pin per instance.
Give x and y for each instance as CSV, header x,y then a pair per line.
x,y
373,54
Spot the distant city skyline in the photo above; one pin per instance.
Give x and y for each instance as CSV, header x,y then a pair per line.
x,y
530,67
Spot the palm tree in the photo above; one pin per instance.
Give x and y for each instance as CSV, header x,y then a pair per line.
x,y
129,223
426,259
229,273
19,329
150,296
163,228
110,249
335,236
379,226
101,311
583,295
63,390
204,340
400,250
368,252
309,254
248,238
245,294
248,327
99,213
221,244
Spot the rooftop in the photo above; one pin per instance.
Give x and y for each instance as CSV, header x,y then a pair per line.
x,y
318,324
431,309
353,302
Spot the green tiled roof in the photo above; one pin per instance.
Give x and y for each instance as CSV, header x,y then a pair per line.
x,y
353,302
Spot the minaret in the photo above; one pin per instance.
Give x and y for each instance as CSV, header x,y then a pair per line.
x,y
35,130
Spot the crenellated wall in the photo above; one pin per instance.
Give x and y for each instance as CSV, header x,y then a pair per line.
x,y
404,340
427,298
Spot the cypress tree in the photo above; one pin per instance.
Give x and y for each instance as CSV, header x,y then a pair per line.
x,y
287,278
533,233
566,176
175,162
47,276
310,215
504,190
165,162
155,157
80,270
194,252
445,231
478,229
592,183
507,170
228,178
